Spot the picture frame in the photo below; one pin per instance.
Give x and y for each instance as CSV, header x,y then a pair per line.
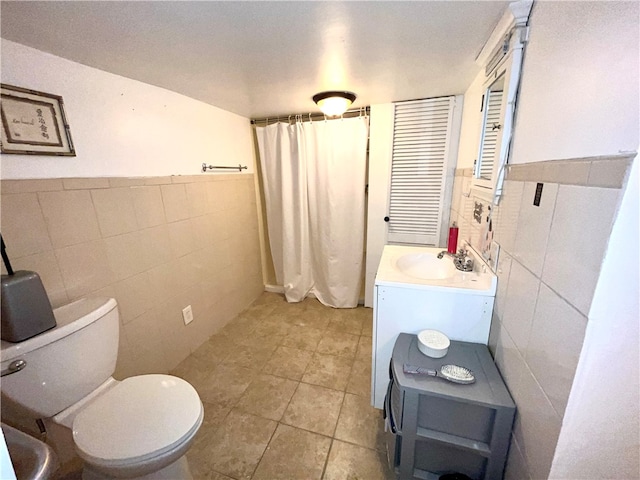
x,y
33,123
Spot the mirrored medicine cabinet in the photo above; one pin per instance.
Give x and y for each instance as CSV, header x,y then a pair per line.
x,y
501,59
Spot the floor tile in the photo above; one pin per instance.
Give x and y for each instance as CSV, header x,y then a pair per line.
x,y
293,454
214,415
202,471
252,356
315,318
360,378
240,443
360,423
288,362
270,326
364,348
252,340
226,384
339,343
267,396
328,371
314,408
260,421
290,309
348,461
309,313
240,326
198,373
367,324
303,338
351,324
259,310
199,455
283,316
216,349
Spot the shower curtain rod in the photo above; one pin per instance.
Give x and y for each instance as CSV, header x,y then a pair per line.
x,y
306,117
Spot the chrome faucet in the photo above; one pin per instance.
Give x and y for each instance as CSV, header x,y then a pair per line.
x,y
461,260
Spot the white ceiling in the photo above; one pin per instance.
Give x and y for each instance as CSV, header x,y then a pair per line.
x,y
267,58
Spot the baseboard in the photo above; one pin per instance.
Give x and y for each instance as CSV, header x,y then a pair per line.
x,y
274,289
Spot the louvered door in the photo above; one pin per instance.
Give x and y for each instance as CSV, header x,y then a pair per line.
x,y
421,144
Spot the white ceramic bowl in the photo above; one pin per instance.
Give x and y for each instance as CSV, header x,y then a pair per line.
x,y
433,343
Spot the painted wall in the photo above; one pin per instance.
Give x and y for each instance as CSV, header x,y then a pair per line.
x,y
122,127
579,94
380,151
578,100
594,70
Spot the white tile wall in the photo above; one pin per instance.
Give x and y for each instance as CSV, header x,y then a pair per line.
x,y
549,263
533,226
176,204
152,243
577,241
554,346
516,468
537,426
24,228
114,208
70,217
509,360
147,204
503,272
520,303
508,214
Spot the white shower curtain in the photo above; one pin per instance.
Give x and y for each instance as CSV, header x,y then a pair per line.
x,y
314,179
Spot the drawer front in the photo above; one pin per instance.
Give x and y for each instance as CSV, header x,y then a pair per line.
x,y
463,419
440,459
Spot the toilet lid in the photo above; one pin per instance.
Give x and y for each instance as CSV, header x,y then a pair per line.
x,y
138,419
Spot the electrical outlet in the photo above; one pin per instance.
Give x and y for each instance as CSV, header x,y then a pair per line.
x,y
187,315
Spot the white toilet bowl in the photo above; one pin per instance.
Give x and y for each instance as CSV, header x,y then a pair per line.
x,y
138,428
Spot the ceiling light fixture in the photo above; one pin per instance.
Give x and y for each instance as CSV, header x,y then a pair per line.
x,y
334,104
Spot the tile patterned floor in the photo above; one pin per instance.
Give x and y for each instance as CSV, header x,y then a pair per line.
x,y
286,389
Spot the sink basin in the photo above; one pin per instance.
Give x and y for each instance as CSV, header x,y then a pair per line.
x,y
426,266
31,458
420,267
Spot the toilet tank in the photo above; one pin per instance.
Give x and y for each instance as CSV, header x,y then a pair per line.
x,y
66,363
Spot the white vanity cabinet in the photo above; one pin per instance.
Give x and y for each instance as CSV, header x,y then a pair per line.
x,y
408,305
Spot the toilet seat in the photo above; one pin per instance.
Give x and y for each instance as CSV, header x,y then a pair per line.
x,y
139,419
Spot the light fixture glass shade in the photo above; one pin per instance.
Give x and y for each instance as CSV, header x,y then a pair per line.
x,y
334,104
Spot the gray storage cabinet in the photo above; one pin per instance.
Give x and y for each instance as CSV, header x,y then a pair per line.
x,y
438,427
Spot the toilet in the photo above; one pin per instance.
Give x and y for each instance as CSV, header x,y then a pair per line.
x,y
139,428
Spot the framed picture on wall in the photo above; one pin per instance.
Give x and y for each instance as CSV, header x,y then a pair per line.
x,y
33,123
